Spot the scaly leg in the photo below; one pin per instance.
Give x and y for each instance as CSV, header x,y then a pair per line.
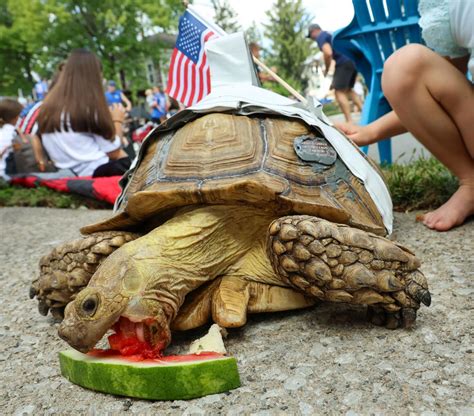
x,y
68,268
338,263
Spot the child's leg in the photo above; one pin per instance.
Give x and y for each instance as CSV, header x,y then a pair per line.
x,y
435,102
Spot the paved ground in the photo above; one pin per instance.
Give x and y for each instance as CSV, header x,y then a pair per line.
x,y
325,360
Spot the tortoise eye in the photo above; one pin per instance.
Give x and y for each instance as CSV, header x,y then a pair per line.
x,y
89,306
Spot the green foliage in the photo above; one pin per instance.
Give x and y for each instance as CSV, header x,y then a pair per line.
x,y
332,108
37,34
253,35
422,184
225,16
21,24
13,196
287,33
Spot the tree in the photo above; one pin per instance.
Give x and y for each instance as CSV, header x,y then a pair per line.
x,y
287,29
36,34
252,34
116,31
225,16
22,23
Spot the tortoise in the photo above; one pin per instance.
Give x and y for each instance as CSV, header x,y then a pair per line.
x,y
224,216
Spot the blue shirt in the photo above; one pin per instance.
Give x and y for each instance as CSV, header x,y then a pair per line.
x,y
41,88
113,97
159,111
325,37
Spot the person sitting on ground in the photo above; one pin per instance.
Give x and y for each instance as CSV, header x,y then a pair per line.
x,y
27,122
115,96
77,129
344,75
432,99
9,112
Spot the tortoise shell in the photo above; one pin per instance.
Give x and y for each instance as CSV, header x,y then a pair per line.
x,y
269,161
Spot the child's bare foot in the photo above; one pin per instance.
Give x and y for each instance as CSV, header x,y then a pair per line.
x,y
454,212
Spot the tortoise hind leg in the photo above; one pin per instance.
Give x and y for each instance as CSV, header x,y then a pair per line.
x,y
68,268
338,263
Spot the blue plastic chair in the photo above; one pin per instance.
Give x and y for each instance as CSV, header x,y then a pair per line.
x,y
372,36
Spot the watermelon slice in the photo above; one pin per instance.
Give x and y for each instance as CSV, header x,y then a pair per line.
x,y
167,378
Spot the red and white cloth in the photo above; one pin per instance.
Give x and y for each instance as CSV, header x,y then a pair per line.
x,y
28,124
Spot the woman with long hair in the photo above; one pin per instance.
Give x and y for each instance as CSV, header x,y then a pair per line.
x,y
78,130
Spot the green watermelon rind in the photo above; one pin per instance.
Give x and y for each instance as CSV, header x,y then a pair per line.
x,y
173,381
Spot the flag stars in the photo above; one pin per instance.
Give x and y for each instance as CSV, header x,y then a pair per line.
x,y
189,39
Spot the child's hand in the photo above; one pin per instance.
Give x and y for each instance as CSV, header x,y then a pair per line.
x,y
360,135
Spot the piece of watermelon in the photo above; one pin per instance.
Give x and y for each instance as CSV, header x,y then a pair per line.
x,y
167,378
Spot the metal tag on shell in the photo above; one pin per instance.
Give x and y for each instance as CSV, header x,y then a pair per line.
x,y
315,150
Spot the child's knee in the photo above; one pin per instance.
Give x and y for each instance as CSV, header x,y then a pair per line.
x,y
404,68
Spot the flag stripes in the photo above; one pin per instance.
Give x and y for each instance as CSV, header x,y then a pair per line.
x,y
189,78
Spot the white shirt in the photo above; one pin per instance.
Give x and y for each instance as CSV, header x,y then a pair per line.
x,y
7,133
462,21
81,152
448,29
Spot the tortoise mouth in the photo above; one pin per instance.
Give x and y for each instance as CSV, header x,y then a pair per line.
x,y
146,338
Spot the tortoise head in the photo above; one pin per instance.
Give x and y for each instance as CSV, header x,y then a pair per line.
x,y
89,317
116,292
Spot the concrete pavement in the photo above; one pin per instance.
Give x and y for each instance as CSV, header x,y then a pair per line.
x,y
323,360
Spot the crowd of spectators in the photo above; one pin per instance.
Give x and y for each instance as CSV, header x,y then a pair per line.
x,y
81,127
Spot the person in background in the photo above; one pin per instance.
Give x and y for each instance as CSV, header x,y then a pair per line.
x,y
344,74
432,99
115,96
41,89
175,106
150,99
159,106
26,123
9,112
359,89
78,130
255,51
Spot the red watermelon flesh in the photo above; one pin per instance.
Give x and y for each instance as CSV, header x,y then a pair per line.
x,y
132,339
109,353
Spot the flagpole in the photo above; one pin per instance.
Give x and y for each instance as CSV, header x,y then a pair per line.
x,y
281,81
221,32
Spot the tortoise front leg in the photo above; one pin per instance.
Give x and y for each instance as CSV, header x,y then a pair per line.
x,y
68,268
227,300
339,263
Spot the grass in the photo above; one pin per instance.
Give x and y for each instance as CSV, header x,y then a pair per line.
x,y
331,109
422,184
15,196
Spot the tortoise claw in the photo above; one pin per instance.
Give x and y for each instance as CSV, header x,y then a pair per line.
x,y
33,291
405,318
425,297
43,308
419,293
58,313
408,317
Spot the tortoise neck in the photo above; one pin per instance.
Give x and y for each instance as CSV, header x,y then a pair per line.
x,y
195,247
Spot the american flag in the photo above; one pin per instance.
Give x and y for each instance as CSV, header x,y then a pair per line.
x,y
189,79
